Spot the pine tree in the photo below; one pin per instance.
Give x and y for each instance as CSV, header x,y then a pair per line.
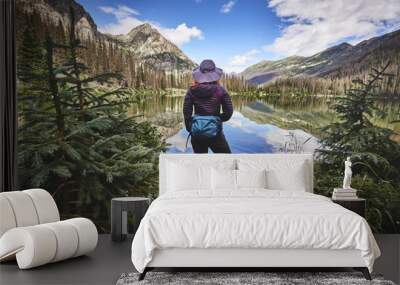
x,y
79,143
374,153
30,60
354,133
41,129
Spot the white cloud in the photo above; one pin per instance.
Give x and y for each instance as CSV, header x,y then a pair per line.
x,y
178,141
227,7
243,59
238,62
123,26
121,11
182,34
278,137
127,20
314,25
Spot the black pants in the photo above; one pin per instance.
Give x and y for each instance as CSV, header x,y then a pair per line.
x,y
217,144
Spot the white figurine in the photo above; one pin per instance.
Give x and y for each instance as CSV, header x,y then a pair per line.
x,y
347,174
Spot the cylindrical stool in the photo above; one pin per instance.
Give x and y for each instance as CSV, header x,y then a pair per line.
x,y
119,215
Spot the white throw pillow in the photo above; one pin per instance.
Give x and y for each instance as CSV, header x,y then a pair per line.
x,y
185,178
188,175
251,178
282,174
223,179
291,180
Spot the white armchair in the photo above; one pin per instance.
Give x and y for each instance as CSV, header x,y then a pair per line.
x,y
31,230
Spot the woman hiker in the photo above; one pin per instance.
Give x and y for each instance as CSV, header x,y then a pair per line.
x,y
207,97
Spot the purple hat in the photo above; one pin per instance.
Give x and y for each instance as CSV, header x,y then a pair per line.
x,y
207,72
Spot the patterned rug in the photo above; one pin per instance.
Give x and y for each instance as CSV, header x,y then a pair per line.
x,y
243,278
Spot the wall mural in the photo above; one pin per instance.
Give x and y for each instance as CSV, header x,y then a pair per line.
x,y
96,107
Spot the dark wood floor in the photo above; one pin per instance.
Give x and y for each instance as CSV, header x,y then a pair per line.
x,y
110,260
102,266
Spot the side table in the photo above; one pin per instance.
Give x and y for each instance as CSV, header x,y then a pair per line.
x,y
119,215
357,205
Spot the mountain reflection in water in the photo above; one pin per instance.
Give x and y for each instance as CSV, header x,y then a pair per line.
x,y
246,136
258,125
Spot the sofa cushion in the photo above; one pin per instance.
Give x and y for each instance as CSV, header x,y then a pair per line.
x,y
7,220
45,205
23,208
34,244
67,240
41,244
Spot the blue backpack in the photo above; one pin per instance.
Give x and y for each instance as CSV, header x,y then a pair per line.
x,y
205,126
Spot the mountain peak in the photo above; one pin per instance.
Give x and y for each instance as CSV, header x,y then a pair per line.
x,y
148,43
144,43
327,62
334,50
145,28
345,44
342,46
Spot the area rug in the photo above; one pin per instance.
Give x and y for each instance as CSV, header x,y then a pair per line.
x,y
244,278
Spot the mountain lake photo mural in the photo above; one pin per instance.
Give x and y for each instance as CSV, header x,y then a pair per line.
x,y
101,86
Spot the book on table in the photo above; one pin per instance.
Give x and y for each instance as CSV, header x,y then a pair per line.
x,y
341,190
344,194
334,197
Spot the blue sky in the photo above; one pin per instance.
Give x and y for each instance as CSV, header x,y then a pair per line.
x,y
238,33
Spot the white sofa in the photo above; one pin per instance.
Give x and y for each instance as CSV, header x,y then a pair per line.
x,y
31,230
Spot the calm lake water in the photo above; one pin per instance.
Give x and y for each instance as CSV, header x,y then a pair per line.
x,y
274,124
247,136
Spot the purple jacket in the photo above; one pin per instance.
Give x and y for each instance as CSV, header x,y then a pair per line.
x,y
207,99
